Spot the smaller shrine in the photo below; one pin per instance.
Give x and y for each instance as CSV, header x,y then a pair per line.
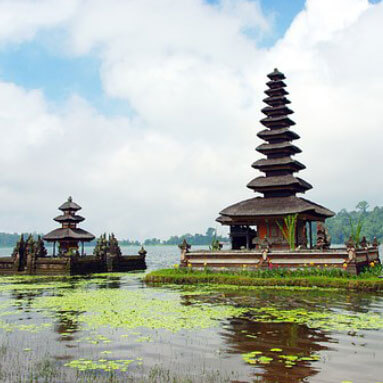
x,y
68,236
30,257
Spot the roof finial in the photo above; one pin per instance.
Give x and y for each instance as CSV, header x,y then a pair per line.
x,y
70,199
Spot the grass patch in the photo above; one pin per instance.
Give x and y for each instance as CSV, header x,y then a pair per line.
x,y
326,278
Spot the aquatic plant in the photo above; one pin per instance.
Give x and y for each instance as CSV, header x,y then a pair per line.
x,y
256,358
289,229
355,230
215,245
100,364
325,320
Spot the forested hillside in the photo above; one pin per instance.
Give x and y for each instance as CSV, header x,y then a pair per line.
x,y
371,220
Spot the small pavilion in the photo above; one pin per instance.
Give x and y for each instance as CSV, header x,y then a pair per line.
x,y
69,235
256,221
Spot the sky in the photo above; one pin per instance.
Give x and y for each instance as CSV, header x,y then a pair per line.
x,y
146,111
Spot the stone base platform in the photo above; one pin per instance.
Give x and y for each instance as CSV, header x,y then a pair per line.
x,y
71,265
351,259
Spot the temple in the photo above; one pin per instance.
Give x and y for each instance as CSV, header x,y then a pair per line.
x,y
275,228
30,257
69,235
258,220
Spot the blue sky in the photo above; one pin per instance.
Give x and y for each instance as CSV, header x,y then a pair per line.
x,y
196,106
37,64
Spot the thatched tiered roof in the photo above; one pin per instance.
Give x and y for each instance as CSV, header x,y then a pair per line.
x,y
279,185
69,220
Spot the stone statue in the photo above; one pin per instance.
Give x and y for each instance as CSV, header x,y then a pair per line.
x,y
18,254
40,249
101,249
363,243
323,237
350,243
19,249
142,251
185,247
31,254
113,246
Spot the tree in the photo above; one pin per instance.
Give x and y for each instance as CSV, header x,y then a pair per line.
x,y
362,206
211,232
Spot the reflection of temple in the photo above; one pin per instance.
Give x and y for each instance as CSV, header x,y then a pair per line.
x,y
291,338
69,235
253,220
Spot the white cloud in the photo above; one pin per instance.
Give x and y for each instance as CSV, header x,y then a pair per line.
x,y
20,20
195,83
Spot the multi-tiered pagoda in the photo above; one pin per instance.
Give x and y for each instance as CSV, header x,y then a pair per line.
x,y
258,220
69,235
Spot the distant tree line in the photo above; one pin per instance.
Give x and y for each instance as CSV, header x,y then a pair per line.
x,y
10,239
371,220
193,239
127,242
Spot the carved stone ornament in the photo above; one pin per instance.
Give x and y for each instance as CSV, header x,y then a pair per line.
x,y
265,254
350,243
363,242
351,254
184,246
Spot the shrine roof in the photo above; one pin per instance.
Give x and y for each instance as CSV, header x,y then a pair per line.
x,y
69,218
264,207
278,147
63,234
278,181
275,162
69,205
273,133
276,74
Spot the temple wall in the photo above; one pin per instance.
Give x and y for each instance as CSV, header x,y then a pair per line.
x,y
72,265
256,259
7,265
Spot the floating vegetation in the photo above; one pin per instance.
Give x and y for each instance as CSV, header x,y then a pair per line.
x,y
143,339
135,309
94,339
34,328
326,320
101,364
256,358
33,286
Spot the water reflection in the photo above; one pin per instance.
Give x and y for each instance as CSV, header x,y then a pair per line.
x,y
246,336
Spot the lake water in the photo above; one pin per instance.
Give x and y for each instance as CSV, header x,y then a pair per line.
x,y
113,328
